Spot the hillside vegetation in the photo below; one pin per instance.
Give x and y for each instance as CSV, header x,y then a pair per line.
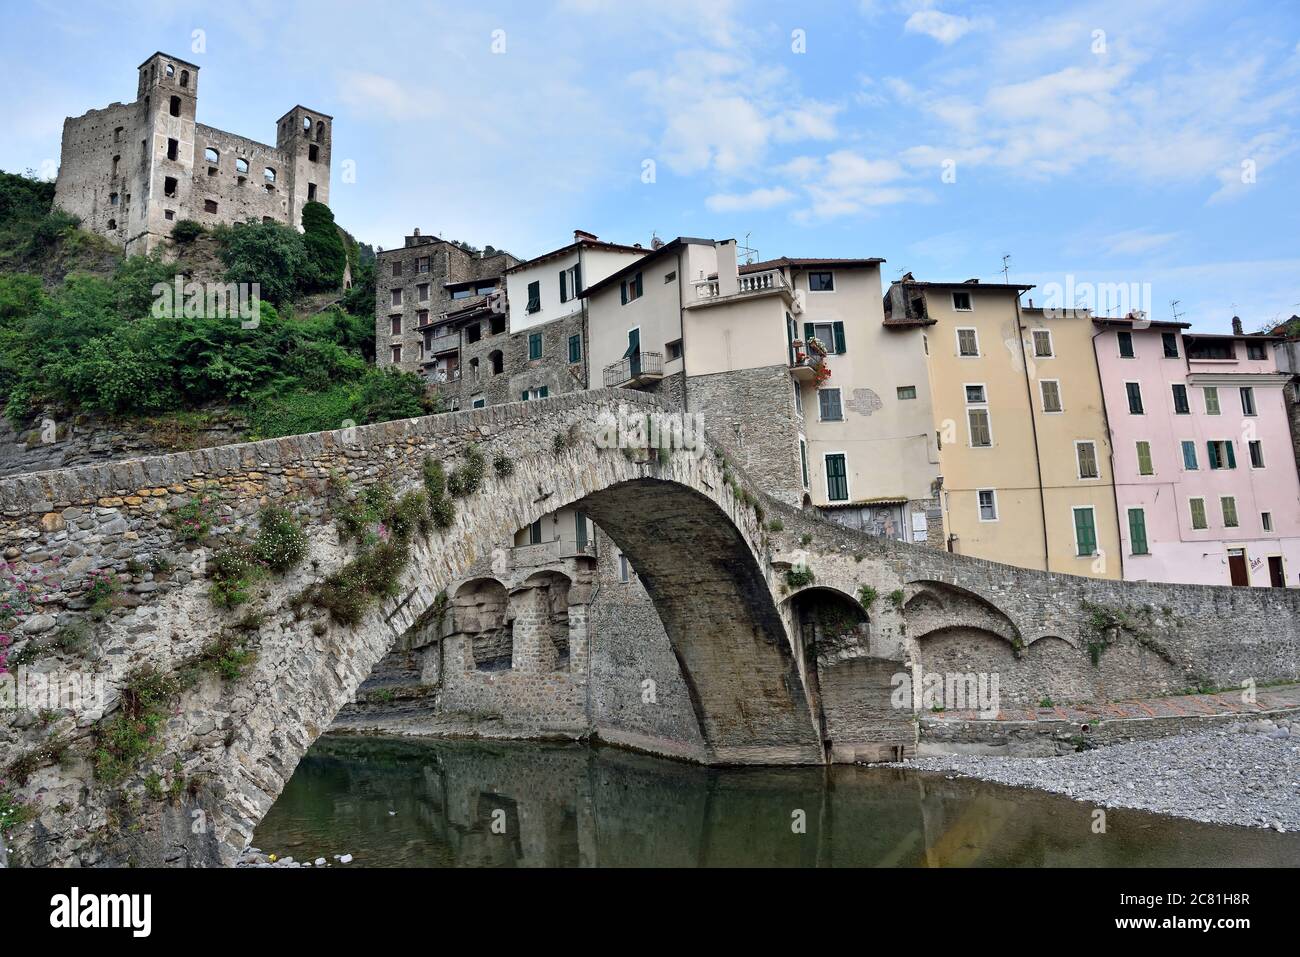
x,y
80,329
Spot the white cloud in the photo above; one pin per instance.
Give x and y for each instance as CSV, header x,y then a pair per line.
x,y
1135,242
756,200
947,28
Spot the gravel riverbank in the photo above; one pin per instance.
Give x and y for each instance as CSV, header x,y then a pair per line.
x,y
1246,774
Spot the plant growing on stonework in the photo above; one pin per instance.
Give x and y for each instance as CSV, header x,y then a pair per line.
x,y
356,517
102,588
132,735
897,596
799,576
504,466
235,569
467,478
776,525
227,655
867,596
187,230
281,543
193,520
13,811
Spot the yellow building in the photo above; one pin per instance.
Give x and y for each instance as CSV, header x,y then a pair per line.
x,y
1024,453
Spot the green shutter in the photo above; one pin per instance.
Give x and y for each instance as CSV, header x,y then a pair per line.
x,y
543,392
633,343
564,286
622,291
837,486
1137,531
1085,531
1212,452
580,529
577,279
525,395
803,462
1144,458
1232,456
639,289
838,328
807,334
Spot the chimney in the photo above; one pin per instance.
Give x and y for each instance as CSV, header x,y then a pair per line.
x,y
581,234
1236,326
728,268
417,231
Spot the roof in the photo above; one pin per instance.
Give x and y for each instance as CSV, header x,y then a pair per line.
x,y
1156,323
299,106
1223,335
577,244
650,256
968,284
860,503
168,56
793,263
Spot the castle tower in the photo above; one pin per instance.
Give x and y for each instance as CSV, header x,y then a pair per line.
x,y
305,137
166,98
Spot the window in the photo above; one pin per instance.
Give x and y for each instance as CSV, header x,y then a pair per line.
x,y
821,282
112,224
1256,350
397,269
1198,348
169,186
117,163
828,405
624,569
241,165
1211,400
803,459
1189,456
498,361
1085,532
173,149
1266,521
421,264
461,292
268,174
988,502
1248,401
422,292
1043,343
1137,531
474,332
1144,458
1197,508
112,199
961,301
1086,454
1134,390
170,70
169,214
212,156
535,533
496,324
185,77
421,317
535,296
1170,341
1180,399
570,282
670,276
117,134
1125,344
477,402
535,346
837,479
311,192
1221,454
1050,389
209,205
313,153
532,395
907,392
1256,453
977,417
174,107
397,354
396,322
397,297
575,347
674,349
968,343
631,289
831,335
798,398
1228,506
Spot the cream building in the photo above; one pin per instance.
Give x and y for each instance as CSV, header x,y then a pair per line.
x,y
1024,459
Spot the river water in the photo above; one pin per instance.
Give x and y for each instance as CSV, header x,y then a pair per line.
x,y
404,803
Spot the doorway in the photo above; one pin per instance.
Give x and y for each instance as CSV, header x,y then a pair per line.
x,y
1237,571
1275,575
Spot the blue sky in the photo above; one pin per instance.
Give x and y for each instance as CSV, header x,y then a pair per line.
x,y
1110,142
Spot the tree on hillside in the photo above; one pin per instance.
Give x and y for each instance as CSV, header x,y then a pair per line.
x,y
270,254
324,245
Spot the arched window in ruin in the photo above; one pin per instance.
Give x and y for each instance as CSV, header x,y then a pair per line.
x,y
171,71
185,77
268,174
473,369
212,156
320,132
306,126
498,361
175,107
241,165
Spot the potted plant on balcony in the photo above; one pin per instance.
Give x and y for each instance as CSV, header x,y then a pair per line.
x,y
817,346
822,374
799,354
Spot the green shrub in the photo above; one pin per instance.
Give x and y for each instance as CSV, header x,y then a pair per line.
x,y
281,544
799,577
270,254
776,525
324,246
467,478
131,736
504,466
867,596
235,570
193,520
187,230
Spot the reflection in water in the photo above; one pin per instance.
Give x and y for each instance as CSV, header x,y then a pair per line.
x,y
405,803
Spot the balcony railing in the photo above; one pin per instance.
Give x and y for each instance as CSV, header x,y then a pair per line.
x,y
530,556
635,370
443,375
746,284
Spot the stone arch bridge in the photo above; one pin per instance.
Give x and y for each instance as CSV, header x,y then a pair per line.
x,y
713,553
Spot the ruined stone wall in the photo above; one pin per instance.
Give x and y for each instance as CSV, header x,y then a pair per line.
x,y
751,414
87,178
240,197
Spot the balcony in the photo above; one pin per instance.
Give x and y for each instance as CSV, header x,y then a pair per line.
x,y
640,369
806,367
748,284
546,553
441,375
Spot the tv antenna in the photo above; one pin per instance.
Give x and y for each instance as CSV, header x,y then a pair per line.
x,y
1173,307
1006,267
749,252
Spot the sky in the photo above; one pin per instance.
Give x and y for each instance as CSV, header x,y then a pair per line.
x,y
1135,146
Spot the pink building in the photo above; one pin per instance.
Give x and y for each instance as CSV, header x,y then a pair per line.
x,y
1205,479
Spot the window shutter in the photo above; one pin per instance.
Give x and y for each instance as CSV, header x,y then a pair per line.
x,y
1085,532
807,333
564,286
623,291
577,279
543,392
1137,531
1212,452
639,289
839,338
525,395
1232,456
